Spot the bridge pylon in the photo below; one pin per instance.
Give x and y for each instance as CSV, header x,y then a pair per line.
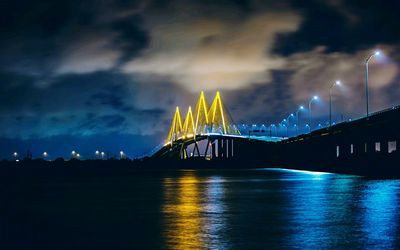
x,y
189,128
220,121
201,115
175,130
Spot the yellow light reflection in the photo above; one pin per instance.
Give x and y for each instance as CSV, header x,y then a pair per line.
x,y
182,209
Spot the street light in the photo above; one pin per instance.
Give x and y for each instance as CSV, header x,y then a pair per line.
x,y
297,118
15,154
270,129
309,109
330,101
309,128
102,155
45,154
121,153
376,53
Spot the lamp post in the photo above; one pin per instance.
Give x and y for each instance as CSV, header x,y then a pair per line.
x,y
376,53
309,128
121,153
15,154
330,101
288,122
297,118
45,154
270,129
309,109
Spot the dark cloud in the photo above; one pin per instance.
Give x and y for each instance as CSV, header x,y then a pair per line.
x,y
345,26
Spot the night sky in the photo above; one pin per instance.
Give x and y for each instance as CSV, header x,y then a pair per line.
x,y
87,75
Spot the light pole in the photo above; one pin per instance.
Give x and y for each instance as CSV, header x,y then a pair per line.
x,y
376,53
102,155
287,126
270,129
121,153
297,118
97,154
45,154
73,153
309,128
288,123
330,102
309,109
15,154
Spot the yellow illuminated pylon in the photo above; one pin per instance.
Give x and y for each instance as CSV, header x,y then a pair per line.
x,y
188,124
219,118
176,127
216,115
201,114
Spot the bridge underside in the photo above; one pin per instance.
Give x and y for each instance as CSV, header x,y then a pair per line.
x,y
213,147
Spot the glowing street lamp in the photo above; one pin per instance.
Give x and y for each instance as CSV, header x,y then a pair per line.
x,y
15,154
288,122
309,128
270,129
121,153
102,155
315,98
376,53
45,154
330,101
78,156
297,118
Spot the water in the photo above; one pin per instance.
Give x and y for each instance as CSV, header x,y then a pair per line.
x,y
243,209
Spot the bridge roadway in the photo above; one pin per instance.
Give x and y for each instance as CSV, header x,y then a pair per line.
x,y
366,146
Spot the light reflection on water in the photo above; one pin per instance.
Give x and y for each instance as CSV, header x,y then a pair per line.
x,y
380,203
279,209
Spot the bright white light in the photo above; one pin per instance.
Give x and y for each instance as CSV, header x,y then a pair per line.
x,y
301,107
78,155
97,152
45,154
73,152
15,154
315,97
121,152
377,53
338,82
291,114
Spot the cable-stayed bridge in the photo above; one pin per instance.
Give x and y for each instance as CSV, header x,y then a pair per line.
x,y
209,134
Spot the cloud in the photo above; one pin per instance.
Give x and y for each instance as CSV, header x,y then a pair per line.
x,y
214,53
88,55
315,71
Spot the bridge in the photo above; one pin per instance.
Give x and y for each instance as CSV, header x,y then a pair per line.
x,y
209,138
208,133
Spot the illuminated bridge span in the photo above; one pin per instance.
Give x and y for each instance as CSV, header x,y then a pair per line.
x,y
209,132
209,138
